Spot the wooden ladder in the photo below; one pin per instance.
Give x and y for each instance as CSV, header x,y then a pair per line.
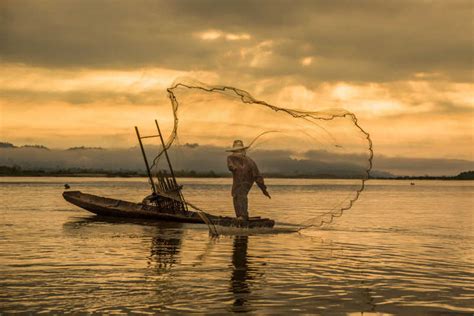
x,y
167,185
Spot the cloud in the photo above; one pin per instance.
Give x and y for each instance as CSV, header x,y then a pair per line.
x,y
20,83
306,61
404,67
212,35
413,118
363,41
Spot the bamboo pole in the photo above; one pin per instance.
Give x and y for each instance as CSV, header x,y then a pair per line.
x,y
166,152
146,161
184,204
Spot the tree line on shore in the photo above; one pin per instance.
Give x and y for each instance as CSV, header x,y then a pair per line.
x,y
84,172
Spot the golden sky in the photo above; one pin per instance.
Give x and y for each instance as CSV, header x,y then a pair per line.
x,y
78,73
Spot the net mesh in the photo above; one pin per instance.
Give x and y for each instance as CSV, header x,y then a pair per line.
x,y
328,148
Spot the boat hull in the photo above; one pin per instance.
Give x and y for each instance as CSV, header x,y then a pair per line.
x,y
118,208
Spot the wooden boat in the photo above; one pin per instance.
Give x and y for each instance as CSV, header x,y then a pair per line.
x,y
111,207
166,203
118,208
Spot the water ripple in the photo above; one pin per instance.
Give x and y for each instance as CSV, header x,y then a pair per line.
x,y
390,254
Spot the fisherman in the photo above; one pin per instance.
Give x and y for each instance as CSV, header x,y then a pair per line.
x,y
245,173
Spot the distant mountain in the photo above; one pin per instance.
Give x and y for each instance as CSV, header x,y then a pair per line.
x,y
10,145
7,145
466,175
203,159
85,148
381,174
35,146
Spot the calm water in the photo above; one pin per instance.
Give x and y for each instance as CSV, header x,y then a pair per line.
x,y
401,250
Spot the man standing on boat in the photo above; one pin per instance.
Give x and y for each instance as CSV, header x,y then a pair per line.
x,y
245,173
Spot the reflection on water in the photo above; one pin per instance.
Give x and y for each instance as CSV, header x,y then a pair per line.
x,y
165,250
402,250
240,273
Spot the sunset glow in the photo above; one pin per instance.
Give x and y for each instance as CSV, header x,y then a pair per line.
x,y
63,95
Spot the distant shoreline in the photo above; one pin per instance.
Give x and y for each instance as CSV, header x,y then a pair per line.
x,y
16,171
79,175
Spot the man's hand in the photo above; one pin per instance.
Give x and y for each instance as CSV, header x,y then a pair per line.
x,y
265,192
263,187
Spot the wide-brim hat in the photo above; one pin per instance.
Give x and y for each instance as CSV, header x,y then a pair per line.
x,y
238,145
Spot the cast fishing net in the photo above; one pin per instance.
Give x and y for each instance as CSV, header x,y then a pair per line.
x,y
315,164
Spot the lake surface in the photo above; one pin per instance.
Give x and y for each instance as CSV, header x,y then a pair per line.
x,y
402,249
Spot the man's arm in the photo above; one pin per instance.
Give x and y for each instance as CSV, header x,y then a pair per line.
x,y
259,179
262,186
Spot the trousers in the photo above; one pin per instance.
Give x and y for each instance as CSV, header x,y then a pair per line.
x,y
241,205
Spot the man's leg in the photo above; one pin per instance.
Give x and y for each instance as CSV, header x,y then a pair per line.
x,y
236,205
241,206
245,207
